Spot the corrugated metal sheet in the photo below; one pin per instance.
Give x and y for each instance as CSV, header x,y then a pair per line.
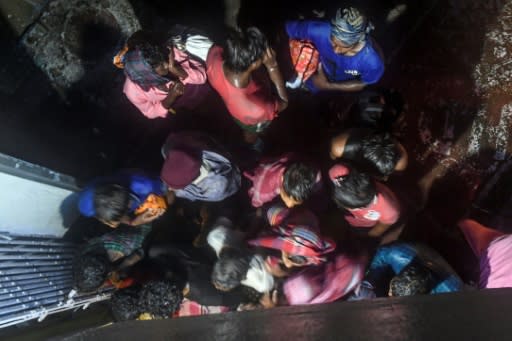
x,y
36,279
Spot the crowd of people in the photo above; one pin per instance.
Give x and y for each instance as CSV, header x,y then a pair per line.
x,y
262,241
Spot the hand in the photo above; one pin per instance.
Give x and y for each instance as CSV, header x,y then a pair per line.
x,y
176,89
269,59
319,78
269,299
147,216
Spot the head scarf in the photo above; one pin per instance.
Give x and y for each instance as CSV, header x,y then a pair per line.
x,y
350,26
140,72
180,168
295,232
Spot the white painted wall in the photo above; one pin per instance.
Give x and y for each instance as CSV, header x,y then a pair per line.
x,y
32,208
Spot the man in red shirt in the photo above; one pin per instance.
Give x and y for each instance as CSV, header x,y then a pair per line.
x,y
231,72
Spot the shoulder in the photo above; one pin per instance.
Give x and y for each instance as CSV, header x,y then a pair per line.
x,y
372,55
214,55
386,194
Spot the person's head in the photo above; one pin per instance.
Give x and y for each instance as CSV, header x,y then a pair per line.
x,y
298,182
381,151
180,168
90,270
414,279
348,31
155,56
300,245
230,269
111,204
352,189
160,298
125,304
244,50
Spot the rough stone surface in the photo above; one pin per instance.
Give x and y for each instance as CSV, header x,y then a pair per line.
x,y
21,14
55,43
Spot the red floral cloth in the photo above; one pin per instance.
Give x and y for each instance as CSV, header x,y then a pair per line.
x,y
305,58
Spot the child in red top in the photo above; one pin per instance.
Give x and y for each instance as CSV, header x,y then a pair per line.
x,y
293,181
231,73
370,204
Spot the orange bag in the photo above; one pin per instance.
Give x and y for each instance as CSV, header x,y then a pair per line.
x,y
153,201
305,58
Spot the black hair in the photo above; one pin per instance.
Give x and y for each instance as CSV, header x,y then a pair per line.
x,y
111,202
299,180
124,304
298,259
90,270
414,279
160,298
355,190
231,268
153,54
244,48
381,151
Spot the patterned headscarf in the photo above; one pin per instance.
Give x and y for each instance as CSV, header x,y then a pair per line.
x,y
140,72
350,26
297,234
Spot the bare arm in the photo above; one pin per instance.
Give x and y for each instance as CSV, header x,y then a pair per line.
x,y
403,161
338,145
269,60
174,67
147,216
321,82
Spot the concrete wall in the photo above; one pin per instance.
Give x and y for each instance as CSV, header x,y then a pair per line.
x,y
34,200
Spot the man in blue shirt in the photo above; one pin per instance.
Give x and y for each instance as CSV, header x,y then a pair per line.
x,y
348,58
407,269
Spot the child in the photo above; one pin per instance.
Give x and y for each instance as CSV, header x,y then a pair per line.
x,y
295,234
378,153
237,266
103,256
129,198
293,181
157,300
371,205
